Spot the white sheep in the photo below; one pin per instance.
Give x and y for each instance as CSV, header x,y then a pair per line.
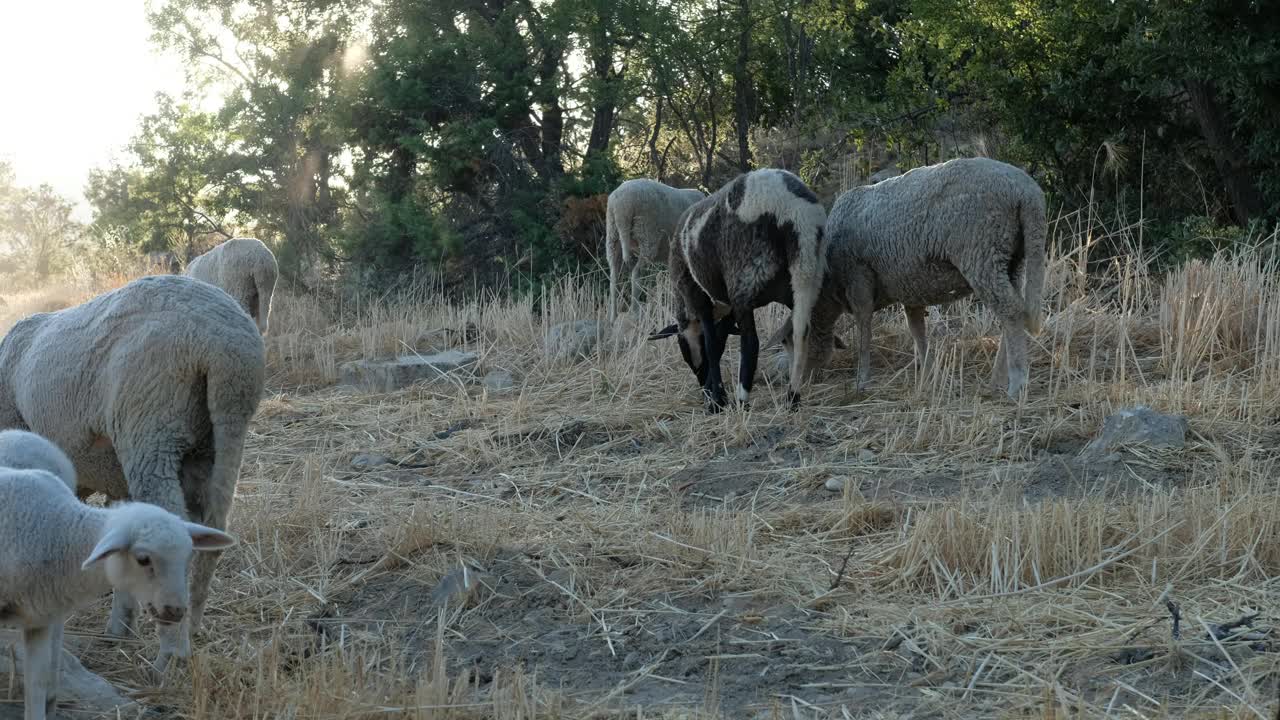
x,y
640,219
757,240
931,236
60,555
246,270
149,389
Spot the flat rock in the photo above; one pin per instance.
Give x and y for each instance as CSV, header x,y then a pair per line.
x,y
836,484
400,372
365,461
498,381
1138,426
572,340
82,694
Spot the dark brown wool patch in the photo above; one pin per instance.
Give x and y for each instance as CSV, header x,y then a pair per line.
x,y
798,188
736,192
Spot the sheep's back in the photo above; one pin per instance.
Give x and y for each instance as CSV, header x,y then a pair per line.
x,y
917,229
90,372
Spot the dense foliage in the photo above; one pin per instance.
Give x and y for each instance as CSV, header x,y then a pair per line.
x,y
470,134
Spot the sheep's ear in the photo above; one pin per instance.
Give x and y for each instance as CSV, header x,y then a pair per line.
x,y
114,541
207,538
665,332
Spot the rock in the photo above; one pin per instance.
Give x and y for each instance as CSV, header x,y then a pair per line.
x,y
498,381
623,332
866,456
836,484
83,693
365,461
1139,426
572,340
394,374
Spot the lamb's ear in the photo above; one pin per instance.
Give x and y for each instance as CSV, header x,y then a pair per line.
x,y
114,541
665,332
207,538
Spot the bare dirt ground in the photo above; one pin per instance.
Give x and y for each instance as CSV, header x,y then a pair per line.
x,y
591,544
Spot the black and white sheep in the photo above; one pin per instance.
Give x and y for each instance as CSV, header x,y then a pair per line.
x,y
246,270
757,240
149,389
931,236
58,555
640,220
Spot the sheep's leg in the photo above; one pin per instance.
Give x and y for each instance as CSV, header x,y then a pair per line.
x,y
992,286
862,316
55,664
37,655
746,318
1000,367
915,322
123,614
636,291
713,347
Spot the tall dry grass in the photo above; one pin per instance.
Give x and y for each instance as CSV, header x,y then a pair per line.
x,y
979,565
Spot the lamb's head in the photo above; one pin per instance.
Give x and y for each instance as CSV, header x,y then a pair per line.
x,y
146,550
22,450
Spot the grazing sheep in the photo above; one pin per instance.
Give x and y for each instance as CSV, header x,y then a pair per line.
x,y
61,555
149,389
757,240
246,270
21,450
640,219
930,236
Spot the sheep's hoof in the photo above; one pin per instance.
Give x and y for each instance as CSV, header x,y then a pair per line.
x,y
50,703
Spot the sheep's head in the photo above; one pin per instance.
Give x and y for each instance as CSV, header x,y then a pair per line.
x,y
145,551
688,334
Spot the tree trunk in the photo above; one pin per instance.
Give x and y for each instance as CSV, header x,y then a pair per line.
x,y
552,113
604,106
742,87
1246,201
655,159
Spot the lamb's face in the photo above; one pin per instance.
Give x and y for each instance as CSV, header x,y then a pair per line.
x,y
155,574
147,553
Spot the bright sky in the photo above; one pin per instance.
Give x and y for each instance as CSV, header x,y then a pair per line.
x,y
75,75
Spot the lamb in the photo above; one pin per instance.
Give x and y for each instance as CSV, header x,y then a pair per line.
x,y
757,240
930,236
61,555
640,219
149,389
246,270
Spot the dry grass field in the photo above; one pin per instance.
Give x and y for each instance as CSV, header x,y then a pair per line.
x,y
590,544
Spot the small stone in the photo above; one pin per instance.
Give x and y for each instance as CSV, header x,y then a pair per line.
x,y
572,340
1139,426
866,456
365,461
836,484
396,373
499,381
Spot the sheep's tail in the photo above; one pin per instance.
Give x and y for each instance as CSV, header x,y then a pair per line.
x,y
234,380
615,256
1035,232
807,271
265,280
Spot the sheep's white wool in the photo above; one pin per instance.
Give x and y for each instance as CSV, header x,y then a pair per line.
x,y
149,390
931,236
21,450
246,270
640,220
